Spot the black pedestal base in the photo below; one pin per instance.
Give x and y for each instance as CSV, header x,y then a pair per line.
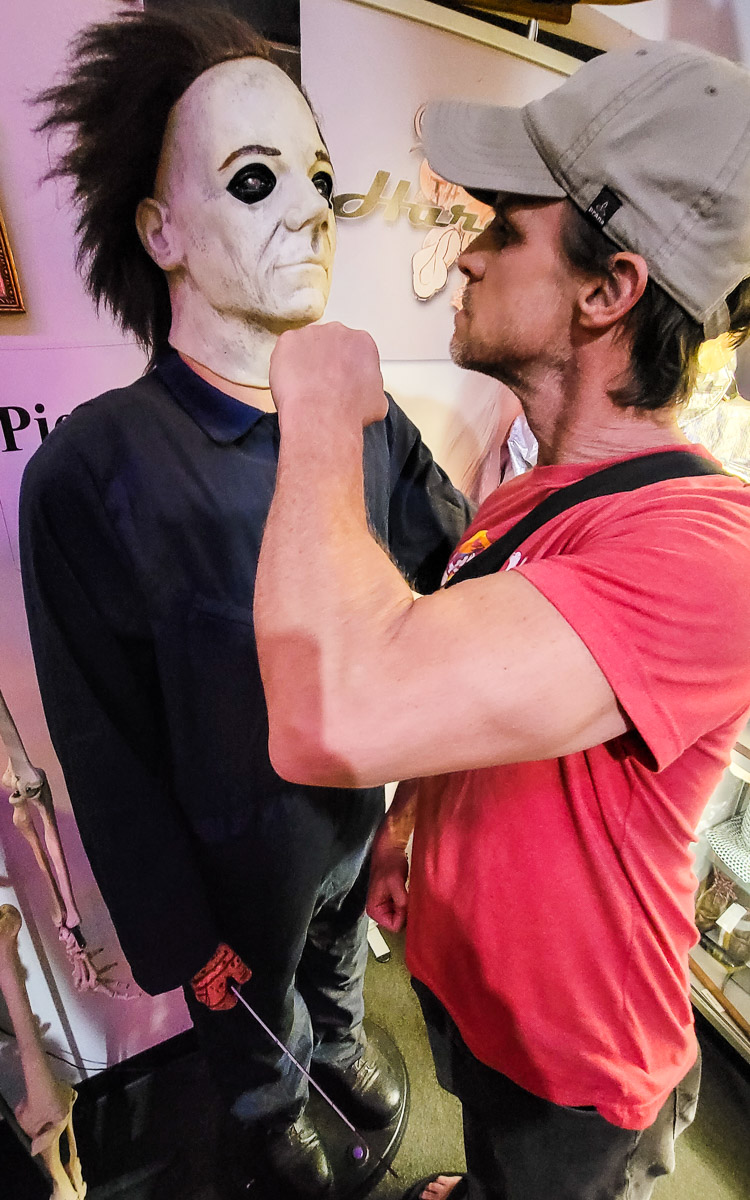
x,y
354,1176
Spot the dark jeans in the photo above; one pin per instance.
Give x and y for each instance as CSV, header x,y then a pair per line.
x,y
519,1147
289,894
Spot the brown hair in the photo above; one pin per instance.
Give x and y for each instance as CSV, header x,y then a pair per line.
x,y
664,339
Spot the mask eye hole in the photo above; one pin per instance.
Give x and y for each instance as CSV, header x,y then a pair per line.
x,y
252,183
324,184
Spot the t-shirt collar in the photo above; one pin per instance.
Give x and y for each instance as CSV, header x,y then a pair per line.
x,y
221,417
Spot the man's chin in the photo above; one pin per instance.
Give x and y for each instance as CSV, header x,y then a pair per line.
x,y
463,356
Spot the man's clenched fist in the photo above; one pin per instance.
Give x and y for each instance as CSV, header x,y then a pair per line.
x,y
327,370
388,896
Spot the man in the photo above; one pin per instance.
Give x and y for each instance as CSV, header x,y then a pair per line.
x,y
570,713
206,226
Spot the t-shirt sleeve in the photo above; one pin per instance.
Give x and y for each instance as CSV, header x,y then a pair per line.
x,y
659,596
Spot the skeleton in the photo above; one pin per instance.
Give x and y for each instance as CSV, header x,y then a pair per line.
x,y
46,1113
30,791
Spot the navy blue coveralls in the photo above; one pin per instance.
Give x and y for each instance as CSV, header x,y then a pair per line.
x,y
141,521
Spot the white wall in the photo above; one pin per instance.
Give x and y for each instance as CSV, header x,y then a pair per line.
x,y
367,73
719,25
367,104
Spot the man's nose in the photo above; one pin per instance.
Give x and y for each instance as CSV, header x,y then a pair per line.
x,y
470,261
307,207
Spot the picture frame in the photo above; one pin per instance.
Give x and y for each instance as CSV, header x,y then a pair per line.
x,y
11,300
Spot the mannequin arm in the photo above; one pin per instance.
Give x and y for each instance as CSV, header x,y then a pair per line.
x,y
427,515
100,688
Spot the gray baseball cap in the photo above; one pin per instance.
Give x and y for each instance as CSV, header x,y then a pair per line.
x,y
653,144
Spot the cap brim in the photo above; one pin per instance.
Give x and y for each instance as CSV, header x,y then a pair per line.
x,y
485,149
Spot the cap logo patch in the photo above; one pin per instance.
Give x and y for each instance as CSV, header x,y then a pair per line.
x,y
604,207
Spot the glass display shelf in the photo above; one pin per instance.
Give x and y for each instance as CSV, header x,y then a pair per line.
x,y
710,1007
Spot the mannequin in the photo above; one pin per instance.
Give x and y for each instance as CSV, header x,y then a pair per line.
x,y
141,520
245,234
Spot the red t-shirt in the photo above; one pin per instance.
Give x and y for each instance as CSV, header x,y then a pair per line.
x,y
551,903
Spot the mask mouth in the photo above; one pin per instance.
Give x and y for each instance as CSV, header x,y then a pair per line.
x,y
309,261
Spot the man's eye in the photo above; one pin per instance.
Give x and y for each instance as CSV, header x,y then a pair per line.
x,y
252,183
324,183
500,231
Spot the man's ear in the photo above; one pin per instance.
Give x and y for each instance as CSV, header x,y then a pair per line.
x,y
605,299
157,234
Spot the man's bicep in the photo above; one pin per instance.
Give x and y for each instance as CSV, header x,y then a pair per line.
x,y
485,673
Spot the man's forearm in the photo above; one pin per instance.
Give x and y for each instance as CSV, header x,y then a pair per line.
x,y
323,597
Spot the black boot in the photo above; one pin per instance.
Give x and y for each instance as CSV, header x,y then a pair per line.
x,y
287,1162
297,1160
367,1090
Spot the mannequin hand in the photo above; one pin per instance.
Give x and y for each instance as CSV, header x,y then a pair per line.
x,y
387,896
211,984
327,371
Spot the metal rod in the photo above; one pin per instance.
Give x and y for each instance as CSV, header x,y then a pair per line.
x,y
532,33
299,1066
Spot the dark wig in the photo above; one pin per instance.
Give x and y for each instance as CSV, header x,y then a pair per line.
x,y
664,338
123,79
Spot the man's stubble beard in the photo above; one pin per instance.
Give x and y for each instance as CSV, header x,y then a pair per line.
x,y
483,359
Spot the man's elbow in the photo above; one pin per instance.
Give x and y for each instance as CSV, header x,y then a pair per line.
x,y
317,722
300,753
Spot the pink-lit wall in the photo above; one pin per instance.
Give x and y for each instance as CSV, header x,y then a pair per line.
x,y
56,355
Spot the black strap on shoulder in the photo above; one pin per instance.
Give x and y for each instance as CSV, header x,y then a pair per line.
x,y
620,477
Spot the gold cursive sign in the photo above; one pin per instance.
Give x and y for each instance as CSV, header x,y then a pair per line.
x,y
352,205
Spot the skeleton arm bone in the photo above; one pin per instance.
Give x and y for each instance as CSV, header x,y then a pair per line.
x,y
20,775
28,785
22,820
30,790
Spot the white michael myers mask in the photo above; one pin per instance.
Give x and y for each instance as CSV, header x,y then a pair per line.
x,y
245,229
